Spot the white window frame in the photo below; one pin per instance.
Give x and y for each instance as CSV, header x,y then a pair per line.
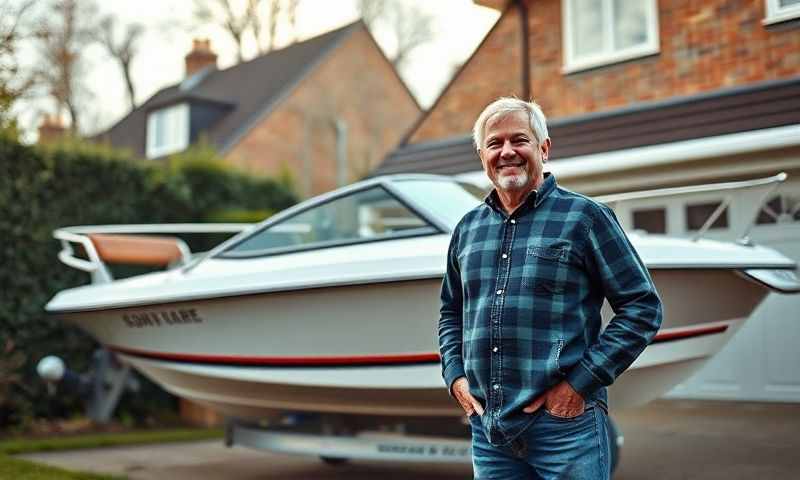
x,y
177,130
776,13
572,64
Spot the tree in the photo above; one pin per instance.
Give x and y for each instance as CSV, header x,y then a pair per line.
x,y
408,26
62,38
14,84
122,49
222,14
248,23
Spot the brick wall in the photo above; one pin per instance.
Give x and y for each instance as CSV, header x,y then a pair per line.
x,y
704,46
355,83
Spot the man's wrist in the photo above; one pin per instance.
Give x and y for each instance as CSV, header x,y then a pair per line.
x,y
451,373
583,381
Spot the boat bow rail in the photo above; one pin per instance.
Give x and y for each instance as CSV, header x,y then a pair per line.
x,y
143,244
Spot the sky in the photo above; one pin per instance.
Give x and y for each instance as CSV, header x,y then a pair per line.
x,y
459,26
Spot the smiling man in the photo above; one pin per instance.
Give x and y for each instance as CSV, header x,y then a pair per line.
x,y
520,327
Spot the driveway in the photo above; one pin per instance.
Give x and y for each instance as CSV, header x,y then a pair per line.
x,y
667,439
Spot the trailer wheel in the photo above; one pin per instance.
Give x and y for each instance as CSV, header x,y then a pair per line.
x,y
334,461
615,441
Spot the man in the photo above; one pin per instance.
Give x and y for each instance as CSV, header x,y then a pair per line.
x,y
519,332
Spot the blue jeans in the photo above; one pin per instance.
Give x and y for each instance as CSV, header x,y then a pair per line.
x,y
549,448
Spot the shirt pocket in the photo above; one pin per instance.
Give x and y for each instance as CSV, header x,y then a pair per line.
x,y
546,269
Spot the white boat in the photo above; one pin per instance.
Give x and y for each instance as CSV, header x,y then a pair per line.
x,y
332,305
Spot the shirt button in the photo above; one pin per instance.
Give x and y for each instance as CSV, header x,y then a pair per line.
x,y
505,255
513,221
496,386
494,349
500,292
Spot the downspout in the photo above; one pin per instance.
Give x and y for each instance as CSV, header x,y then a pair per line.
x,y
525,49
341,152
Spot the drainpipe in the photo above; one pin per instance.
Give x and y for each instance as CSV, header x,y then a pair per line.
x,y
525,49
341,152
307,174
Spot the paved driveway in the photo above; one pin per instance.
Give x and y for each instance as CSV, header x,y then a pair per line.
x,y
665,440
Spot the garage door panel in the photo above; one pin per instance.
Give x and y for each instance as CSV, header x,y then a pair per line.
x,y
762,361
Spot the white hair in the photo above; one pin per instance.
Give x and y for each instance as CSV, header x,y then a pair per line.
x,y
505,105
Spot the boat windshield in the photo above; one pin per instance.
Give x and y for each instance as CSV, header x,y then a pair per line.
x,y
361,216
447,200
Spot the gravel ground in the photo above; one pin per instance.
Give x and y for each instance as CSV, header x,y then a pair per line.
x,y
667,439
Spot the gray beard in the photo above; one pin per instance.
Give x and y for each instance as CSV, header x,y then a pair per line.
x,y
513,182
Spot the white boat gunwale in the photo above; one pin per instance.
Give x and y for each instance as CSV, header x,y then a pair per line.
x,y
394,278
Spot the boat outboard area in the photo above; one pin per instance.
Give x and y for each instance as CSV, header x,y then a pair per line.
x,y
331,305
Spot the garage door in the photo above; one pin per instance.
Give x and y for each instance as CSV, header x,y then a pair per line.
x,y
762,362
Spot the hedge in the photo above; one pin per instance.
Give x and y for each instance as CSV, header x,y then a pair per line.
x,y
43,188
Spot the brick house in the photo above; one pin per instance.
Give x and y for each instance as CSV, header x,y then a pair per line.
x,y
644,95
327,109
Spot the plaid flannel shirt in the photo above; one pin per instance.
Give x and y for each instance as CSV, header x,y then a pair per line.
x,y
521,303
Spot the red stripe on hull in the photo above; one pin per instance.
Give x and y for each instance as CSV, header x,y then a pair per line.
x,y
284,361
683,334
349,361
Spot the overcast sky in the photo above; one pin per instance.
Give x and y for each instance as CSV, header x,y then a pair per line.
x,y
460,25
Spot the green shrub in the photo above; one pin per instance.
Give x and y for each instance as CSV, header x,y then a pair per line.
x,y
73,183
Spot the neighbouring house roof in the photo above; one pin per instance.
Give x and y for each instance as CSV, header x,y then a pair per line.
x,y
739,109
245,91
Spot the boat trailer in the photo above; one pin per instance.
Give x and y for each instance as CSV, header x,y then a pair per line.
x,y
337,449
381,443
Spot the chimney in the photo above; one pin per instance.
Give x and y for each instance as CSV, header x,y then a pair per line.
x,y
200,57
51,129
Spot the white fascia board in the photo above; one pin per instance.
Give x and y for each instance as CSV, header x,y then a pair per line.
x,y
669,153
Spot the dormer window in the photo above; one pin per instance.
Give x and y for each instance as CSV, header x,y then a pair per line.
x,y
781,11
600,32
168,130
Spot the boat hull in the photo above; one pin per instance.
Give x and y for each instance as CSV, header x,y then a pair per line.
x,y
371,349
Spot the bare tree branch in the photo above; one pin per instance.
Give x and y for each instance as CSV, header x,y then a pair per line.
x,y
274,11
291,14
260,18
62,38
221,14
123,50
409,26
371,10
255,22
14,84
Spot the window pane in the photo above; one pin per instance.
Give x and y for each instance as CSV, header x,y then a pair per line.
x,y
365,215
696,216
448,201
587,27
160,129
788,3
770,211
630,23
652,220
168,130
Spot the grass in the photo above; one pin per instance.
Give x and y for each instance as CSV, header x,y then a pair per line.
x,y
24,470
97,440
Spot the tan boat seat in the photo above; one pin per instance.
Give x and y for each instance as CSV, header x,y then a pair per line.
x,y
136,249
